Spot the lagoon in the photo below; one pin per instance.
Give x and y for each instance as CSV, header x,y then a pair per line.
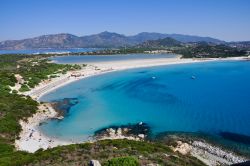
x,y
49,51
86,59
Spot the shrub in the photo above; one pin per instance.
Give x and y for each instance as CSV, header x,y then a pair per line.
x,y
24,88
124,161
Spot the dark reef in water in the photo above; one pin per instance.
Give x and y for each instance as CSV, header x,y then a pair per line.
x,y
236,137
247,163
143,72
146,89
63,106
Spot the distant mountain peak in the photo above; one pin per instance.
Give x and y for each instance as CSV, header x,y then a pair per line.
x,y
107,33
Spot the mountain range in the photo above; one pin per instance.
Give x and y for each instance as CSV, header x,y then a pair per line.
x,y
104,39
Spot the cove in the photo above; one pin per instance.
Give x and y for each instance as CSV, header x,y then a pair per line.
x,y
208,97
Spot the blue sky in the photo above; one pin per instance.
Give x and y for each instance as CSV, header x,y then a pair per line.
x,y
224,19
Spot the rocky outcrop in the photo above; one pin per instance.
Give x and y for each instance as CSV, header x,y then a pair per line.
x,y
209,154
94,163
138,131
225,156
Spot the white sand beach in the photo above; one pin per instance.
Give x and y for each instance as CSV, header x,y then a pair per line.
x,y
32,139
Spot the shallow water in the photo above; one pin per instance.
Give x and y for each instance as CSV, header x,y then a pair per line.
x,y
209,97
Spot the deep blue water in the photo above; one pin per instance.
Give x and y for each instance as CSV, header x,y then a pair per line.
x,y
47,51
104,58
216,99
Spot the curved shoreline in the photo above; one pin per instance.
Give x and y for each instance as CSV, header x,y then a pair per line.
x,y
32,139
98,68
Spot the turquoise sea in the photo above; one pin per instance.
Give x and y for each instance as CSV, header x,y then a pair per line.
x,y
208,97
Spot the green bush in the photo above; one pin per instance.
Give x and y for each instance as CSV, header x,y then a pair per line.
x,y
123,161
15,91
24,88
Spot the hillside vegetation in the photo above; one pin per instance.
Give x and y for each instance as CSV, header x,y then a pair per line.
x,y
108,152
160,43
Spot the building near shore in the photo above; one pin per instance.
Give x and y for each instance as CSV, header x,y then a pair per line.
x,y
76,74
248,53
158,51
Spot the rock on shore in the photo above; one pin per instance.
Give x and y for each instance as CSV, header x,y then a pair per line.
x,y
207,153
138,131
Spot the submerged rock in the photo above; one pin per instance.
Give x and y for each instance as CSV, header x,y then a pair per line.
x,y
63,106
240,138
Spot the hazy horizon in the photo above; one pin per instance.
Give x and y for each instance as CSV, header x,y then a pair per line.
x,y
226,20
